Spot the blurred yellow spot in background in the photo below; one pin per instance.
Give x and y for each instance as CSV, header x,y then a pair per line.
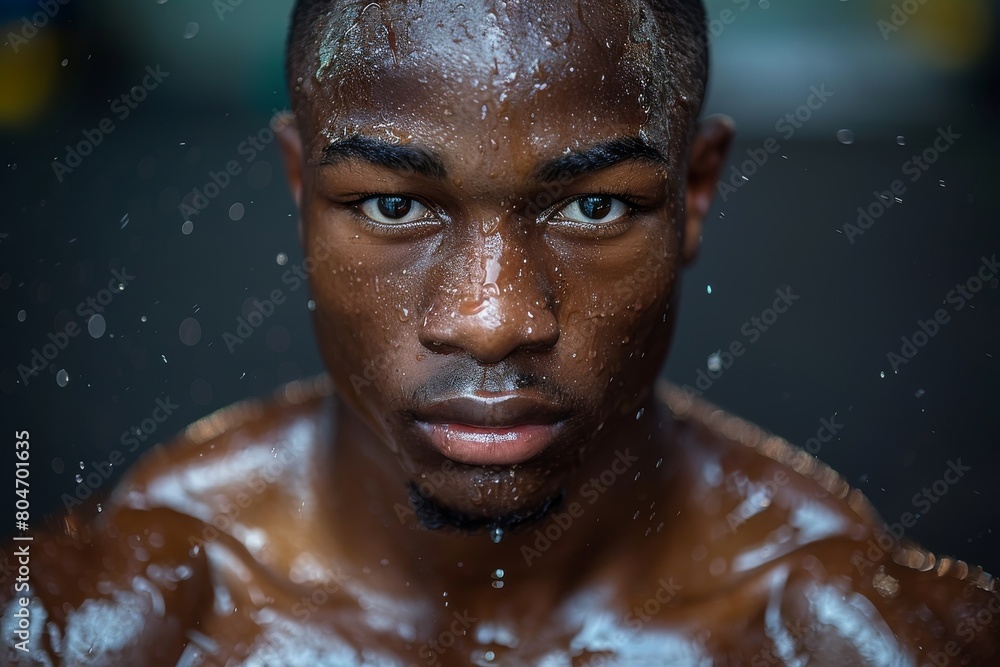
x,y
951,33
27,77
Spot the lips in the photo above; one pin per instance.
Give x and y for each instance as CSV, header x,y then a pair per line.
x,y
490,429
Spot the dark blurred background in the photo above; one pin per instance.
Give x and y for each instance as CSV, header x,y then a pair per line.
x,y
893,77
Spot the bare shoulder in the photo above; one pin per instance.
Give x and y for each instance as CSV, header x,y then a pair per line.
x,y
78,577
247,456
136,566
774,510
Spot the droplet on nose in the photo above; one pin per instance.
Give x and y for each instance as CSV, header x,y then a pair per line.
x,y
471,306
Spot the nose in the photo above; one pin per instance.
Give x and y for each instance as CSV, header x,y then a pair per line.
x,y
497,303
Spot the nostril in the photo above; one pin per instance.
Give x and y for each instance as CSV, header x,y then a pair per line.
x,y
441,348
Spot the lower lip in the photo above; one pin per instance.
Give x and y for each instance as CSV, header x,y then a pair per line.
x,y
476,445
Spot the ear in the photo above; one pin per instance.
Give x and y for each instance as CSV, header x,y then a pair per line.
x,y
709,151
290,142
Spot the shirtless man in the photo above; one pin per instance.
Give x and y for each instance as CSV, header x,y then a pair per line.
x,y
496,199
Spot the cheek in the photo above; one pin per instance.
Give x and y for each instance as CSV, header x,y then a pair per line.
x,y
364,319
615,325
349,316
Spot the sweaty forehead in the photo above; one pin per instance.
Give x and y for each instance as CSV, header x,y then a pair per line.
x,y
408,66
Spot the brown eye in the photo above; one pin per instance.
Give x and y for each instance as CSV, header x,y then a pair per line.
x,y
394,210
394,207
594,209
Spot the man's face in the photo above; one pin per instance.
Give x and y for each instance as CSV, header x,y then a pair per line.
x,y
494,196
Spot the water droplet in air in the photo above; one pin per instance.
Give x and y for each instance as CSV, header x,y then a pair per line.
x,y
310,304
187,227
22,315
901,140
715,362
638,415
845,137
881,374
79,478
65,62
96,326
920,393
190,30
236,212
62,378
281,259
496,535
190,331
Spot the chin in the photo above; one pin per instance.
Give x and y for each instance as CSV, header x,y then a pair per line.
x,y
475,498
470,516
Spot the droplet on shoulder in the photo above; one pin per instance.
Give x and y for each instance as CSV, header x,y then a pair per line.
x,y
885,584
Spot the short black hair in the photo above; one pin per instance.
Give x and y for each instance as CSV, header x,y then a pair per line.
x,y
686,42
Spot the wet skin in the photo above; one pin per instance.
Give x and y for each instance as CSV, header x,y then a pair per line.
x,y
498,216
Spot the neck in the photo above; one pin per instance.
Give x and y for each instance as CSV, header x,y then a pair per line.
x,y
618,498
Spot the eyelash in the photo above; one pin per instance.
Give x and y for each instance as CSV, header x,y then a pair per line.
x,y
623,197
603,231
370,225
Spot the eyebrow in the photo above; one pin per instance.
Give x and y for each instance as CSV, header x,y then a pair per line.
x,y
601,156
421,161
383,154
